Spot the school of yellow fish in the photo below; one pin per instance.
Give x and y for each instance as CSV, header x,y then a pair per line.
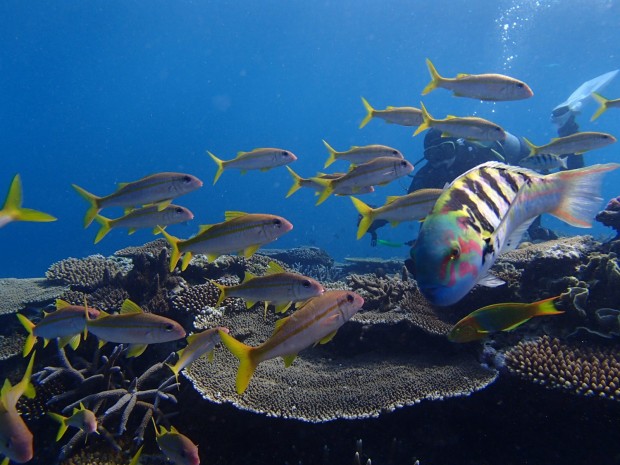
x,y
318,315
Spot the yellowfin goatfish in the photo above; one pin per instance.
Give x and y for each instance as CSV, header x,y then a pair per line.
x,y
499,317
495,87
15,437
485,211
543,162
146,217
80,418
604,104
317,321
467,127
357,155
177,447
13,211
577,143
66,324
257,159
276,287
403,116
133,326
379,171
241,233
157,189
198,344
411,207
299,182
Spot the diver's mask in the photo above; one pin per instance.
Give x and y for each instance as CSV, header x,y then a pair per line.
x,y
441,155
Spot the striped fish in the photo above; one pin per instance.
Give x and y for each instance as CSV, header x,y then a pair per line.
x,y
157,189
358,155
379,171
316,321
299,182
485,211
403,116
241,233
276,287
257,159
543,162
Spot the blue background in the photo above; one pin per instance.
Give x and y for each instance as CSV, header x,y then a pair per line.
x,y
100,92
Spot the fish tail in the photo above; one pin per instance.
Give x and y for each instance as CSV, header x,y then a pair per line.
x,y
332,154
176,253
93,200
369,113
136,458
31,339
603,105
427,118
367,216
13,205
533,148
581,193
435,78
24,387
105,227
63,424
247,363
328,189
222,290
220,167
296,182
176,368
546,307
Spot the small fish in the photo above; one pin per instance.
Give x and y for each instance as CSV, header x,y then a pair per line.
x,y
485,211
198,344
276,287
604,104
467,127
157,189
145,217
241,233
358,155
133,326
577,143
15,437
81,418
379,171
543,162
299,182
411,207
499,317
177,447
13,211
257,159
66,324
403,116
494,87
317,321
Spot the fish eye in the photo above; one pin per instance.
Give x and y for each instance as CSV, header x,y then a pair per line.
x,y
455,253
168,328
350,298
520,85
305,283
187,179
394,152
284,153
403,163
277,222
497,128
178,210
605,136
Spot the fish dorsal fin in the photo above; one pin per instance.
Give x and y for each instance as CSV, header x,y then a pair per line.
x,y
62,304
462,75
289,359
173,429
191,338
162,430
130,307
248,276
280,323
273,268
354,147
136,458
162,205
231,215
204,227
240,154
451,117
102,313
390,107
120,185
328,338
392,198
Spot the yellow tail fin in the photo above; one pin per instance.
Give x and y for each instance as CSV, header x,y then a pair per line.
x,y
63,424
13,205
427,118
176,253
296,182
247,363
220,167
533,148
435,78
222,290
31,339
93,200
105,227
332,154
546,307
369,113
603,105
367,216
328,189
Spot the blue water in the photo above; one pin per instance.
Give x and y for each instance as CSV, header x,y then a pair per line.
x,y
101,92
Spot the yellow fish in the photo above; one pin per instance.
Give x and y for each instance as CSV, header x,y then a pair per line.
x,y
604,104
257,159
403,116
13,211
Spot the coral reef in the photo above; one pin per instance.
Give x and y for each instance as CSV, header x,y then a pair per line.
x,y
610,216
583,369
87,274
18,294
307,256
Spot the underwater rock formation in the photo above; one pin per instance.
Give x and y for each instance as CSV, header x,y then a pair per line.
x,y
610,216
18,294
88,273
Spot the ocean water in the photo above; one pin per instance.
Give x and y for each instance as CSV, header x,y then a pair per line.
x,y
96,93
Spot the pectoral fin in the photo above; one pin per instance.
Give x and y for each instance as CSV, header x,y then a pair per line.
x,y
135,350
289,359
